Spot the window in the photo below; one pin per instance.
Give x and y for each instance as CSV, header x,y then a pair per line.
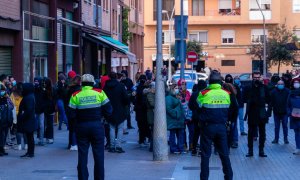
x,y
185,7
228,62
264,5
296,6
166,37
167,5
193,37
297,33
228,36
257,35
198,36
97,14
198,8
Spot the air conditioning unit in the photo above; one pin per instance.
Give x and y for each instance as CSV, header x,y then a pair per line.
x,y
248,50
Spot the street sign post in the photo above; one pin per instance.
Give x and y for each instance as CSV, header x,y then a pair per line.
x,y
192,57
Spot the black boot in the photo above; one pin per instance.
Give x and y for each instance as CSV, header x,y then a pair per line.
x,y
262,153
2,152
250,153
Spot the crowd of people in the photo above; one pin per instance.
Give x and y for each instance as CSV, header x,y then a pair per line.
x,y
213,112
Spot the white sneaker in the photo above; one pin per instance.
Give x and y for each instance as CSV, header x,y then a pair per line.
x,y
6,148
26,146
19,147
50,141
296,152
74,148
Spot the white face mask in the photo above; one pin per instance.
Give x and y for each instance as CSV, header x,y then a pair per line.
x,y
176,91
296,85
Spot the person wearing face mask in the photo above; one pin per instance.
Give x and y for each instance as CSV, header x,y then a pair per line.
x,y
6,120
294,112
239,96
257,96
185,96
278,103
175,120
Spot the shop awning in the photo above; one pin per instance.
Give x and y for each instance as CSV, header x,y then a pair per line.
x,y
117,45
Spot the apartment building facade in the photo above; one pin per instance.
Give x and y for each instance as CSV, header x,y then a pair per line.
x,y
226,28
10,36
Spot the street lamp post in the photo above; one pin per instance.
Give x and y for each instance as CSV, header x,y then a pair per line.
x,y
160,142
264,34
170,19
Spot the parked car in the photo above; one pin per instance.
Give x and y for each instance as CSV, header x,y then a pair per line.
x,y
189,85
194,75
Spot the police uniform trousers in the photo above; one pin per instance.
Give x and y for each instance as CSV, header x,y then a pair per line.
x,y
90,133
217,134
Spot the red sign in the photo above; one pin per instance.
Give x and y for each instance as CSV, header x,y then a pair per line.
x,y
192,56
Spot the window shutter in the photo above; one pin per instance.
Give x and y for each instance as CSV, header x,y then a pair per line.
x,y
225,4
6,60
228,34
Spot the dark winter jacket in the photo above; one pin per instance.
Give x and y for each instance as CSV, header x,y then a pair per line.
x,y
6,115
233,109
118,98
128,84
50,102
175,113
278,101
193,105
150,107
61,90
40,100
256,99
72,89
294,102
239,95
26,115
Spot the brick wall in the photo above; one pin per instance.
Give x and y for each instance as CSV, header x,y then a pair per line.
x,y
87,13
10,8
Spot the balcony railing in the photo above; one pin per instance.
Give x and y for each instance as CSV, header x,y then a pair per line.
x,y
223,12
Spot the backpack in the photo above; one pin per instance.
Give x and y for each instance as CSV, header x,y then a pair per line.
x,y
6,115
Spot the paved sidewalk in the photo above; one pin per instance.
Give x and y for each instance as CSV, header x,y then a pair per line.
x,y
280,164
55,162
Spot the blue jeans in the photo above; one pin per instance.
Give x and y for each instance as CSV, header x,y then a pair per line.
x,y
297,138
284,120
217,134
179,146
191,129
234,132
19,138
90,133
115,135
61,113
241,119
40,119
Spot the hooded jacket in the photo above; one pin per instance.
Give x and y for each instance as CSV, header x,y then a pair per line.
x,y
117,95
26,116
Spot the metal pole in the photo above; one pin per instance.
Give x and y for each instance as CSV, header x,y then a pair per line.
x,y
264,46
160,143
170,30
182,56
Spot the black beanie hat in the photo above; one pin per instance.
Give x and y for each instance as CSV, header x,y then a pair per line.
x,y
214,78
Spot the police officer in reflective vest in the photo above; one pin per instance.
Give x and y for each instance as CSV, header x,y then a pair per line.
x,y
213,112
88,106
